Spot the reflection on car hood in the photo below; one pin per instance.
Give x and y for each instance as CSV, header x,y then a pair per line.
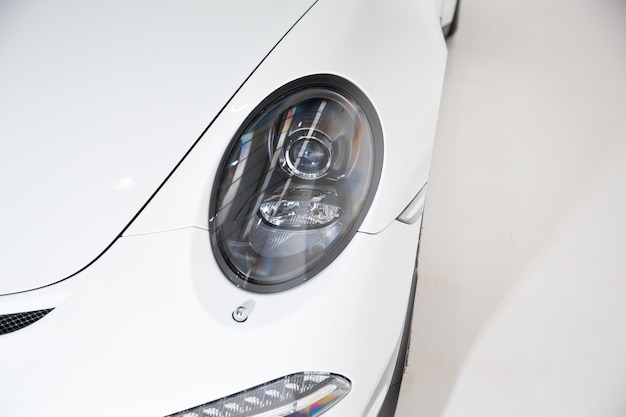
x,y
99,101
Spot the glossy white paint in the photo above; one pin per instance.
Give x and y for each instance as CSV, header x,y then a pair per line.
x,y
406,99
99,102
149,330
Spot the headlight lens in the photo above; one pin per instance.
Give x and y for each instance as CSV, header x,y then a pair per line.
x,y
295,184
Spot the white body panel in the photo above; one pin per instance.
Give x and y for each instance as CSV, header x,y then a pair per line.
x,y
149,330
407,102
146,330
99,102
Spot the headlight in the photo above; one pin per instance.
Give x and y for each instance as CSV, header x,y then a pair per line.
x,y
295,183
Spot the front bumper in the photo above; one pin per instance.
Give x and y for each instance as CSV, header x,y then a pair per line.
x,y
148,330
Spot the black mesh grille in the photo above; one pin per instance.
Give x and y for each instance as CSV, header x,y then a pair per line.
x,y
12,322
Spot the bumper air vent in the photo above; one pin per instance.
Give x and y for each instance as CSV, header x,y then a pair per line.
x,y
13,322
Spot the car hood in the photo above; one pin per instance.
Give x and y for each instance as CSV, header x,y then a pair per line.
x,y
99,102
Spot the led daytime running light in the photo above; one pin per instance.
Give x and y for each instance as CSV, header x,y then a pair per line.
x,y
305,394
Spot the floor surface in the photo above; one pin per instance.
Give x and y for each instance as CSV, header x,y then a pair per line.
x,y
521,303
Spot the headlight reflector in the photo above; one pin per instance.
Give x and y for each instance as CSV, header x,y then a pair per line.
x,y
295,184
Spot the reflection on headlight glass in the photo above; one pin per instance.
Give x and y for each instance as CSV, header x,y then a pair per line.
x,y
292,187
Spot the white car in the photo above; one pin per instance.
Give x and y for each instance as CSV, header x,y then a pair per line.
x,y
212,208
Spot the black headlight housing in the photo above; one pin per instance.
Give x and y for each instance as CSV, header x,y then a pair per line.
x,y
295,183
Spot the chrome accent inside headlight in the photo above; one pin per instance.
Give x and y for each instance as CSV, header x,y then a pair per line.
x,y
295,183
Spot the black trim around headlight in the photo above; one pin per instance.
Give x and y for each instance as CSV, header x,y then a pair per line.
x,y
295,183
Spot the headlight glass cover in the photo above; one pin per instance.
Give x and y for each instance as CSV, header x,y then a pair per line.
x,y
295,183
